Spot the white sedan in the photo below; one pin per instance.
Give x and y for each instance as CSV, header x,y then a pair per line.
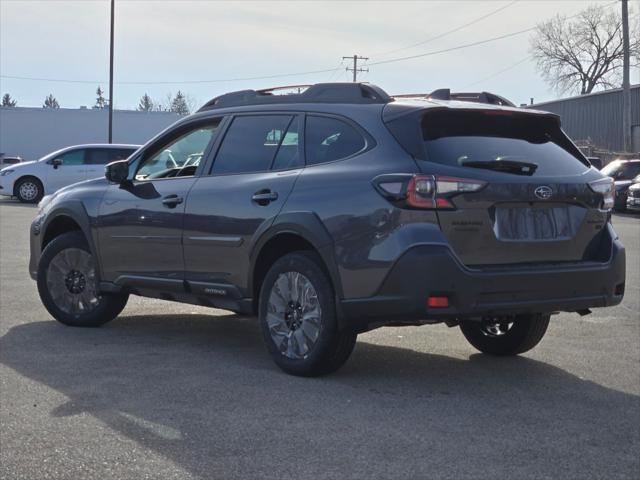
x,y
30,181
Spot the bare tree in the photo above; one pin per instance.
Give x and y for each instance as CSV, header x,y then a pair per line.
x,y
582,53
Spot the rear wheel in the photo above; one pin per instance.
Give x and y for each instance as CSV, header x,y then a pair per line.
x,y
29,190
298,317
67,284
506,335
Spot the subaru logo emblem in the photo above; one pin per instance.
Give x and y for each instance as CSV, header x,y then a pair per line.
x,y
543,192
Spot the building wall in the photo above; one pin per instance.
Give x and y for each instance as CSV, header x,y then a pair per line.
x,y
34,132
597,117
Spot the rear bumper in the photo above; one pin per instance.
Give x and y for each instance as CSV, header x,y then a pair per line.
x,y
434,270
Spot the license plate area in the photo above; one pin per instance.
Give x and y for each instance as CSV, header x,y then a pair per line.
x,y
536,223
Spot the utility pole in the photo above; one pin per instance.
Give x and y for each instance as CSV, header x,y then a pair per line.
x,y
626,88
111,75
355,68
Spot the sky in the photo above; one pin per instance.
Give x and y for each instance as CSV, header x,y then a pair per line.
x,y
161,43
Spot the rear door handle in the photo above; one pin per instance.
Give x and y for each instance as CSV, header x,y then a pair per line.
x,y
171,201
264,197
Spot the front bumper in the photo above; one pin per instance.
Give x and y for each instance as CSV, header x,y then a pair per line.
x,y
428,270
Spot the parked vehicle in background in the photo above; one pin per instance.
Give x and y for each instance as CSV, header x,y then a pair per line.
x,y
633,195
623,173
30,181
596,162
339,210
9,160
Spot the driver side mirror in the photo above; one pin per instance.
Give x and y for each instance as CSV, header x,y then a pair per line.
x,y
117,172
56,162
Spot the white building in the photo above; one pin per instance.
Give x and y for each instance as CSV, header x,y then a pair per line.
x,y
34,132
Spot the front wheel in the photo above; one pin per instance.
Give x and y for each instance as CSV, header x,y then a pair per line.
x,y
29,190
506,335
298,317
67,284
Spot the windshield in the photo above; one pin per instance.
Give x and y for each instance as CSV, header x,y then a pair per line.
x,y
523,144
610,169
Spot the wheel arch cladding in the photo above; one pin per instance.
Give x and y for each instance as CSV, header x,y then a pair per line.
x,y
290,233
72,216
57,226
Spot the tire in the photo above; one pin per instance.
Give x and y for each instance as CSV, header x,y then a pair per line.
x,y
299,325
29,190
67,284
515,335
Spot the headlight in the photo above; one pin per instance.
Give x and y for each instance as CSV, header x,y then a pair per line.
x,y
606,187
6,172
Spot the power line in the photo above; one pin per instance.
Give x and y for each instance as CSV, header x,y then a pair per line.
x,y
451,49
495,74
444,34
177,82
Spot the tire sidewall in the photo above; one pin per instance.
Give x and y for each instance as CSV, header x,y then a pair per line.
x,y
308,265
96,317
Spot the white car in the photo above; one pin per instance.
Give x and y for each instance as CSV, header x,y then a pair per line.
x,y
30,181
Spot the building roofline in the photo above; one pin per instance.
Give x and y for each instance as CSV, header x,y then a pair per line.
x,y
577,97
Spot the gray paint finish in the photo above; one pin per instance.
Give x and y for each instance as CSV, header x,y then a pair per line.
x,y
34,132
597,116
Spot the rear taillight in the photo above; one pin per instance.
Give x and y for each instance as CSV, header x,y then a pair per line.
x,y
425,191
607,189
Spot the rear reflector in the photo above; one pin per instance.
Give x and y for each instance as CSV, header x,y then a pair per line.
x,y
438,302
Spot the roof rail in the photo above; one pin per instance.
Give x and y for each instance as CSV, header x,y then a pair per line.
x,y
479,97
445,94
360,93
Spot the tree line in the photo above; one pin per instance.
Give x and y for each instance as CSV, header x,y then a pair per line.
x,y
179,103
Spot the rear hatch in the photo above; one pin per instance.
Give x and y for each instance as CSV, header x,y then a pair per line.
x,y
535,205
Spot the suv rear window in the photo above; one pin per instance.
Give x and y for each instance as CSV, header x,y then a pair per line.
x,y
471,139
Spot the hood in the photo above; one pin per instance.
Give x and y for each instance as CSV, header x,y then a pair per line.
x,y
16,166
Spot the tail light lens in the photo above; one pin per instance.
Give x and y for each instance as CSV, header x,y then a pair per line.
x,y
425,191
607,189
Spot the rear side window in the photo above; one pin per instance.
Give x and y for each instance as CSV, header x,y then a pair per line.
x,y
251,144
483,139
328,139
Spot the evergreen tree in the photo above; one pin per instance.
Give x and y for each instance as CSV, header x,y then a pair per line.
x,y
50,102
179,104
146,104
7,101
101,102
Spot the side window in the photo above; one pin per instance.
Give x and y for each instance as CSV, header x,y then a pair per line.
x,y
120,154
99,156
74,157
251,143
631,170
288,155
328,139
180,156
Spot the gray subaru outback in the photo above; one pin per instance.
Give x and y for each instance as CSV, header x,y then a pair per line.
x,y
338,210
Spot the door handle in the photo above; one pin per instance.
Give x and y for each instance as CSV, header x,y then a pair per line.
x,y
172,200
264,197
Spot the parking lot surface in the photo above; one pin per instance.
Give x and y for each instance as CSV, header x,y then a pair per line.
x,y
170,391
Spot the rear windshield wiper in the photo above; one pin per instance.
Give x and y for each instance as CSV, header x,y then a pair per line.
x,y
507,166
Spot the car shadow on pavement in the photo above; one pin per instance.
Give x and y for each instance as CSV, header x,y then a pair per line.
x,y
202,392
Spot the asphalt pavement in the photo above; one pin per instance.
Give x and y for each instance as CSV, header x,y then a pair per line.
x,y
170,391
